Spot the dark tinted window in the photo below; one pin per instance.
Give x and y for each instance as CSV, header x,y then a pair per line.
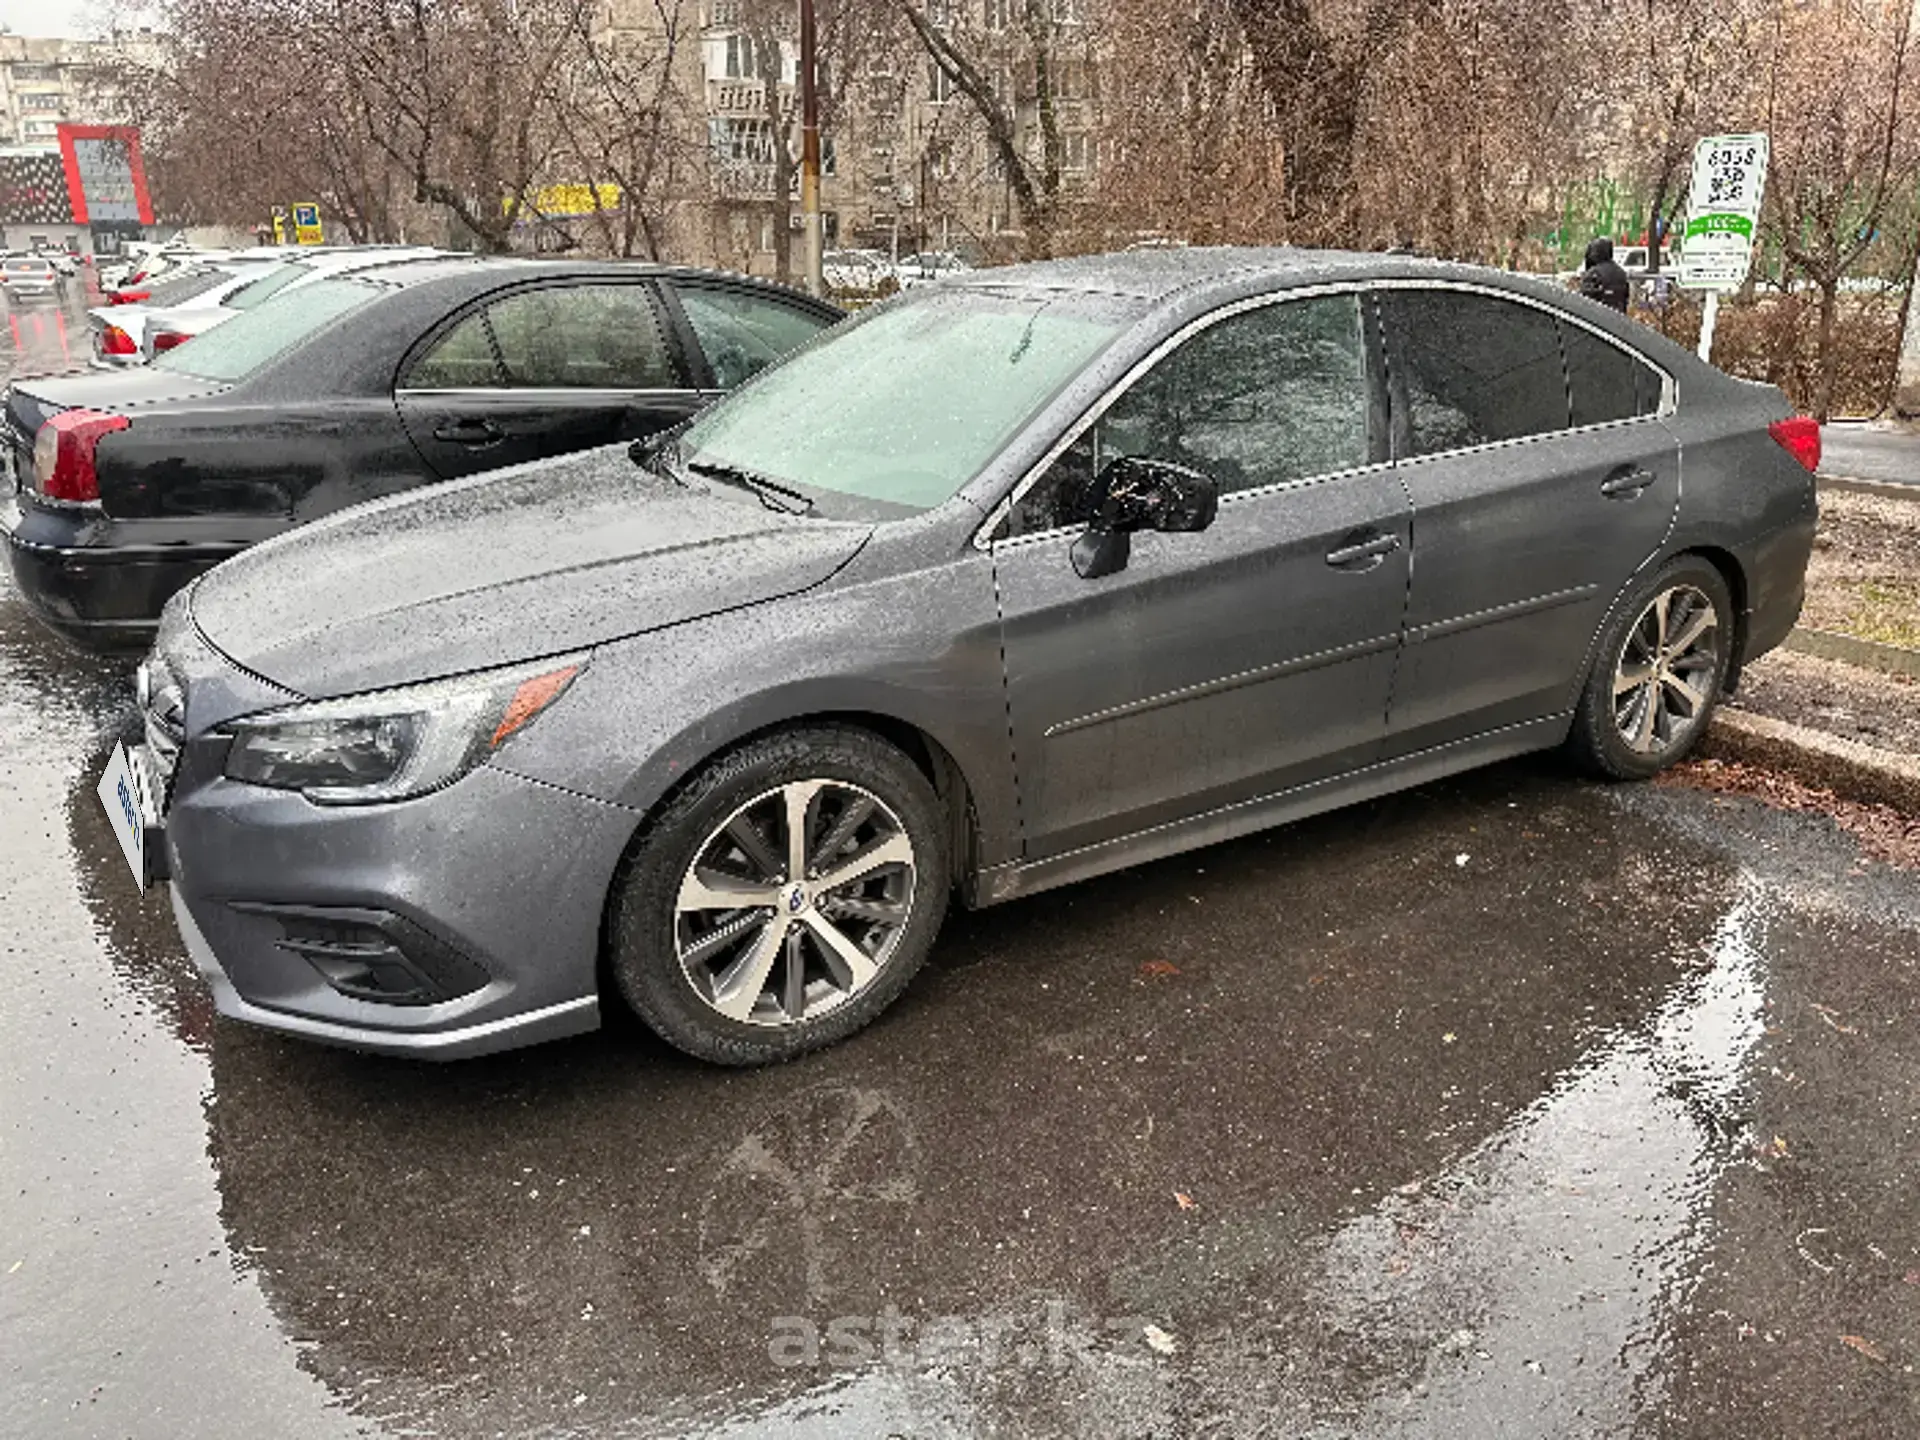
x,y
1274,394
743,334
1606,382
1474,370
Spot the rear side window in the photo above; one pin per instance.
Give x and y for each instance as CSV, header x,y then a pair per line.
x,y
1605,382
574,337
236,349
742,334
1473,370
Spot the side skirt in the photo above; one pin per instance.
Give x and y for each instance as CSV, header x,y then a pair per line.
x,y
1010,882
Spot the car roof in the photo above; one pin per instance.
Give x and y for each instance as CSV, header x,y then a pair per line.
x,y
420,271
1166,271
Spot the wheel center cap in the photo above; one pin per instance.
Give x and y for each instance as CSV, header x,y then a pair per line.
x,y
797,900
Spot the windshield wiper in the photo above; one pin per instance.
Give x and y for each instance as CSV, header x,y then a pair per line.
x,y
771,493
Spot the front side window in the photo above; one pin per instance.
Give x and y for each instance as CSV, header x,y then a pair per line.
x,y
1273,394
743,334
907,405
1473,370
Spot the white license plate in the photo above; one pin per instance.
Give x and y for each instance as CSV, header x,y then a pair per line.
x,y
127,798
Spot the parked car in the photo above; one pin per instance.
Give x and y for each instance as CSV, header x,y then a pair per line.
x,y
927,267
125,332
350,387
1020,579
125,335
29,277
855,272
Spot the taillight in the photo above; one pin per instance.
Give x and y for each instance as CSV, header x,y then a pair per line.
x,y
167,339
136,277
129,297
63,453
115,341
1800,438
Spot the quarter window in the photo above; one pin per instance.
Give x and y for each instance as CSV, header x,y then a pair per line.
x,y
1473,370
1605,382
1273,394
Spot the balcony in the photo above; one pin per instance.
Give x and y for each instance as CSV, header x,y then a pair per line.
x,y
743,179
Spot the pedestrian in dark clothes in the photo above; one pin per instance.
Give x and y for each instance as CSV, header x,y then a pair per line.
x,y
1603,280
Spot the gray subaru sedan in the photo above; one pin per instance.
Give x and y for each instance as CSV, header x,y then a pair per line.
x,y
1024,577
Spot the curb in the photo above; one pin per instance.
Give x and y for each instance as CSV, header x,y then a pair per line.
x,y
1885,489
1849,649
1846,767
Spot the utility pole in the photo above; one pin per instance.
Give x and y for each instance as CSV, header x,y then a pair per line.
x,y
810,152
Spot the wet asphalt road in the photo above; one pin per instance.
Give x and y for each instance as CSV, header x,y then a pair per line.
x,y
1857,451
1511,1106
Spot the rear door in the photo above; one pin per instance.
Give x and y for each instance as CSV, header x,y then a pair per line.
x,y
544,370
1541,478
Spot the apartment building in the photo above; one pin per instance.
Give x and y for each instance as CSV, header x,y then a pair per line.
x,y
905,158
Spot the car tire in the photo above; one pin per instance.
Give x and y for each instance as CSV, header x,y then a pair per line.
x,y
761,982
1656,647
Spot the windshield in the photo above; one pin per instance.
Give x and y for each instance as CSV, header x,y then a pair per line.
x,y
908,404
270,284
249,340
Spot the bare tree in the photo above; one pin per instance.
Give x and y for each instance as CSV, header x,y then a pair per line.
x,y
1845,143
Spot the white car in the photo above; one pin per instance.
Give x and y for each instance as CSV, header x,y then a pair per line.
x,y
25,275
929,266
855,271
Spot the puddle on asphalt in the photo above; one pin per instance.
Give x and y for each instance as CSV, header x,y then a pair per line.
x,y
1452,1146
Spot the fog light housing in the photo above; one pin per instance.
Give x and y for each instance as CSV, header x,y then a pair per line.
x,y
372,955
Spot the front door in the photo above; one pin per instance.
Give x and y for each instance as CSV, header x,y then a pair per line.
x,y
544,370
1541,478
1236,662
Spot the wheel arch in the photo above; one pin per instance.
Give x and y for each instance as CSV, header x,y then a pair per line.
x,y
926,751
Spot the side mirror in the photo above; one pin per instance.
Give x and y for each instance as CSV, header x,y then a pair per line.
x,y
1136,494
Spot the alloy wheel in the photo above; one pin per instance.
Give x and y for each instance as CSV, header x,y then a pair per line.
x,y
795,902
1664,679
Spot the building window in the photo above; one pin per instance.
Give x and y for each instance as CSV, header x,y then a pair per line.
x,y
36,74
1070,80
41,100
723,12
998,14
741,141
40,127
739,62
940,85
1079,152
1066,12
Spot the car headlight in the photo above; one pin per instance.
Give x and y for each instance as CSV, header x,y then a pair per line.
x,y
392,744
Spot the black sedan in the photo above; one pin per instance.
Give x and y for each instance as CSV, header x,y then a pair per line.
x,y
122,488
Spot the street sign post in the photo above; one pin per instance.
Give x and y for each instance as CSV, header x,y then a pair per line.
x,y
306,225
1723,218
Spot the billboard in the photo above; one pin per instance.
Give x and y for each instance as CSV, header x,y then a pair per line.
x,y
106,181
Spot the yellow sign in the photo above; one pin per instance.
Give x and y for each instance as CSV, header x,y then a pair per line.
x,y
574,199
306,225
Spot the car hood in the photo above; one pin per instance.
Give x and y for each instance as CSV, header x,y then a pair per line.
x,y
523,563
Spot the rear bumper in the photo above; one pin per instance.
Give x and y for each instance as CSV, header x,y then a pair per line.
x,y
99,597
1776,572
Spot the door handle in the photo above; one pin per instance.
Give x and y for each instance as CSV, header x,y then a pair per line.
x,y
1351,557
1627,481
470,432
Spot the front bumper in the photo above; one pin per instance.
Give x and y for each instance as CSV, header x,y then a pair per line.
x,y
506,879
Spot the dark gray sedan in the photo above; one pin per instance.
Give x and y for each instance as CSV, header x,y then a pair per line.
x,y
1024,577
